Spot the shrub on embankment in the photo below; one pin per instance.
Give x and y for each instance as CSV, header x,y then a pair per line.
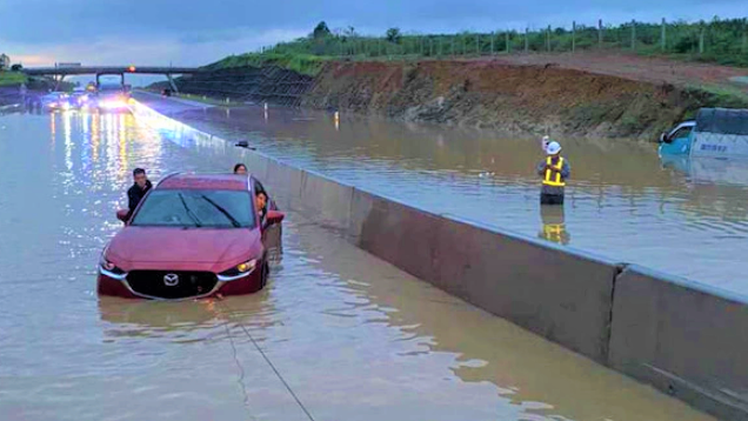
x,y
305,64
529,99
12,78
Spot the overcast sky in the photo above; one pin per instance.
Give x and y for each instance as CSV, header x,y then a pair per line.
x,y
159,32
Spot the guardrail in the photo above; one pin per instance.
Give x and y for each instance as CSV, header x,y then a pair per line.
x,y
686,339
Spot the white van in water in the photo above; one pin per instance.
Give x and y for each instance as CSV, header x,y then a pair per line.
x,y
716,132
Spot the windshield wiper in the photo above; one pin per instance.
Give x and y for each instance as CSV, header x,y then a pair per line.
x,y
226,213
191,214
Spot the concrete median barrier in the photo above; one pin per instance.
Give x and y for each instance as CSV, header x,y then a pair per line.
x,y
563,296
285,182
560,294
685,339
328,202
399,234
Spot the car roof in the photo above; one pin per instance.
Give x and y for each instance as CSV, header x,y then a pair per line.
x,y
189,181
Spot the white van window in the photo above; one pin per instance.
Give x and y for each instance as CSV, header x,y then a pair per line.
x,y
681,133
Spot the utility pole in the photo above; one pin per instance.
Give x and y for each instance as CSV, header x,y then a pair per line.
x,y
493,35
548,39
701,40
600,33
573,36
508,47
633,35
664,42
527,40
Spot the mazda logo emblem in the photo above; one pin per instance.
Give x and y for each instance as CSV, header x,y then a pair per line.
x,y
171,279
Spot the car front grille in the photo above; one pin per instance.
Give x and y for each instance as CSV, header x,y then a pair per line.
x,y
171,284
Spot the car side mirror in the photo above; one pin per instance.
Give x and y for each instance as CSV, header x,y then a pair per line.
x,y
123,214
274,217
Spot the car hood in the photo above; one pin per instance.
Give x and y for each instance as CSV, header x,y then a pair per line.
x,y
134,246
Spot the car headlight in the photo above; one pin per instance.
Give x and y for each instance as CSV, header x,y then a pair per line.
x,y
240,270
109,266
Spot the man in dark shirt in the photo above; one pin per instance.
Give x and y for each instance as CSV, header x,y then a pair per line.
x,y
138,190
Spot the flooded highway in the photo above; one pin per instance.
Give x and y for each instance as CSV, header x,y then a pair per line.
x,y
336,335
680,217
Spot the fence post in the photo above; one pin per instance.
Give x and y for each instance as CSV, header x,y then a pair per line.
x,y
573,36
633,35
600,33
664,42
548,39
527,40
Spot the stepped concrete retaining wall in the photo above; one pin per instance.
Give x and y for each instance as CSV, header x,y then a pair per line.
x,y
679,336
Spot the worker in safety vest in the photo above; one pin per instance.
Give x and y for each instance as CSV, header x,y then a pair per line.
x,y
555,171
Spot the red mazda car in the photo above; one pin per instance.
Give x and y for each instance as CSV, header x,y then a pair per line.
x,y
192,236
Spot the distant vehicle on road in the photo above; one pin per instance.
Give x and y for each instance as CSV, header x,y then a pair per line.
x,y
191,236
80,99
112,97
56,101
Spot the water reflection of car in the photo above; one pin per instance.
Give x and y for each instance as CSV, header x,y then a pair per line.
x,y
706,170
56,101
192,236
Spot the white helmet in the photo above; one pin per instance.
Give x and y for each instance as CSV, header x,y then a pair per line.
x,y
553,148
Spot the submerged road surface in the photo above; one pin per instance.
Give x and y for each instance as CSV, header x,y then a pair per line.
x,y
337,335
680,217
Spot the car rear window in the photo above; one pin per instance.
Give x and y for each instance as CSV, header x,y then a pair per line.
x,y
196,209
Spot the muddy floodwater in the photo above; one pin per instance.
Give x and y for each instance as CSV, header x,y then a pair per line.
x,y
682,217
336,335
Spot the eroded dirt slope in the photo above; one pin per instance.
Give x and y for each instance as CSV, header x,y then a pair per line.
x,y
528,98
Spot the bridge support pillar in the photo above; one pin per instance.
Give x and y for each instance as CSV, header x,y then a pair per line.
x,y
122,79
59,80
98,82
171,82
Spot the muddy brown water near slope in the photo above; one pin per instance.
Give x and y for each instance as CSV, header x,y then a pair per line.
x,y
353,337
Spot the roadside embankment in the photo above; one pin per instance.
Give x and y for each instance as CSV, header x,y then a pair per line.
x,y
516,98
489,94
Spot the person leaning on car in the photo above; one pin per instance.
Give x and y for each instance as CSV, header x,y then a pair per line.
x,y
140,187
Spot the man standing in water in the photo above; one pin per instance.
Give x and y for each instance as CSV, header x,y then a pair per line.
x,y
139,188
555,171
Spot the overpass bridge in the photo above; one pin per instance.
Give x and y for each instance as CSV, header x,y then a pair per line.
x,y
61,71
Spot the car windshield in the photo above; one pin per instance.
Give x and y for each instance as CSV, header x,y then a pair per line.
x,y
196,209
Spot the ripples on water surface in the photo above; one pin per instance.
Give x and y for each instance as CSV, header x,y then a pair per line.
x,y
354,338
680,217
